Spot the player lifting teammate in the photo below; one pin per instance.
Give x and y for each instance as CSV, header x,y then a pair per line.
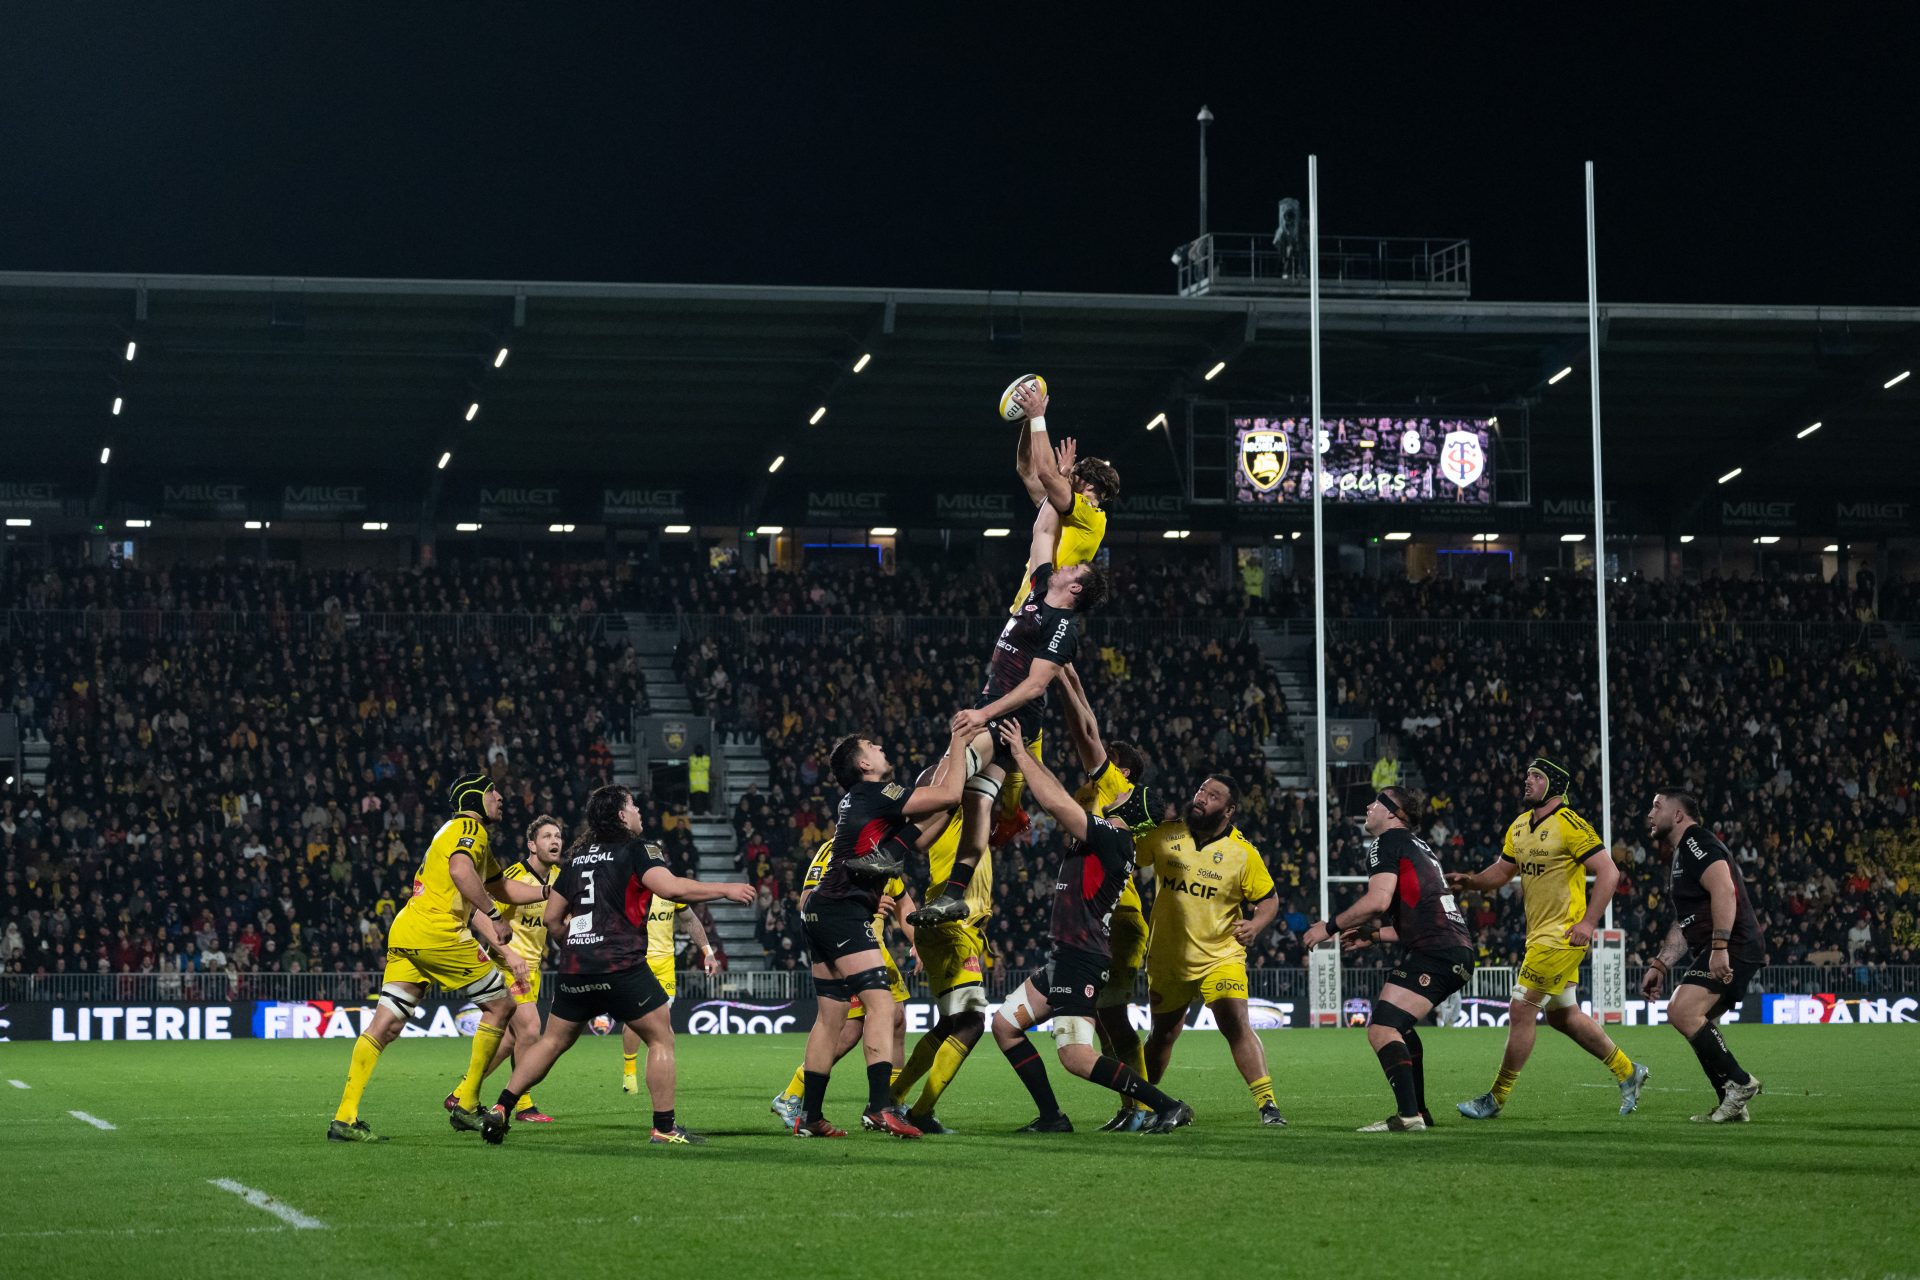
x,y
1086,888
1406,889
443,937
1550,848
601,895
1714,920
873,832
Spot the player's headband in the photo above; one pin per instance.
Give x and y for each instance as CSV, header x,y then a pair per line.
x,y
1132,811
1557,778
465,795
1393,807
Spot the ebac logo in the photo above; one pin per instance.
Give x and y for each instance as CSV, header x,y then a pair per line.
x,y
738,1018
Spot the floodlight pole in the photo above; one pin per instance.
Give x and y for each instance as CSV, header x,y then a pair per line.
x,y
1599,535
1319,527
1205,118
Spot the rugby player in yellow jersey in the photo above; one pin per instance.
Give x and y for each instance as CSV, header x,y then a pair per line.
x,y
530,942
661,918
1551,848
895,902
1206,871
443,937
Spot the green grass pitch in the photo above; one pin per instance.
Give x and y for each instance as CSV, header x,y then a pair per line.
x,y
1825,1182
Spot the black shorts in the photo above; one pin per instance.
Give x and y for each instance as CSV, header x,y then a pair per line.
x,y
837,928
625,995
1072,980
1029,717
1433,974
1730,993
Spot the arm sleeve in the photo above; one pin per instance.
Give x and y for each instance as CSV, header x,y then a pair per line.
x,y
1579,835
1062,642
1147,846
1376,857
1113,848
1256,882
1506,846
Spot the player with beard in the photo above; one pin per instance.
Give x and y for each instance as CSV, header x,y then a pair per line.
x,y
1406,902
1715,921
1206,872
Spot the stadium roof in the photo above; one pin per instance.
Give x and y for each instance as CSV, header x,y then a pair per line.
x,y
372,379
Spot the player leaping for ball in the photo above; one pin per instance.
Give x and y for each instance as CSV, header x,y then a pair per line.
x,y
1028,656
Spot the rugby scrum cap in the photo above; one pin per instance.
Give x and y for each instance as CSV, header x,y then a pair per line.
x,y
465,794
1557,778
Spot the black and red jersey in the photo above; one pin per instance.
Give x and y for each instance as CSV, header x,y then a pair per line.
x,y
606,929
1039,630
871,817
1423,912
1693,904
1088,886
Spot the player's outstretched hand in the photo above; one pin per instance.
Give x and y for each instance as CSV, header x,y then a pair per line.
x,y
967,723
1031,399
887,903
1653,984
517,966
1458,880
1720,965
1065,454
1244,933
1315,935
739,892
1580,935
1352,940
1008,731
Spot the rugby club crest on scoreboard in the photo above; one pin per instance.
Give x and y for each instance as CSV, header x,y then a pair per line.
x,y
1263,458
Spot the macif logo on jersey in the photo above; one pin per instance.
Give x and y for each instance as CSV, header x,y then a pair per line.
x,y
1462,460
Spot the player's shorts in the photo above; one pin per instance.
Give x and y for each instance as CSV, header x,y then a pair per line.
x,y
532,994
1548,970
1127,933
1224,981
896,983
953,955
624,995
1029,716
1728,993
1071,981
1433,974
663,971
451,966
837,928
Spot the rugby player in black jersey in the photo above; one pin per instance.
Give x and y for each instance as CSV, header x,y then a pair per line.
x,y
1098,861
1028,656
874,829
1714,921
597,913
1406,902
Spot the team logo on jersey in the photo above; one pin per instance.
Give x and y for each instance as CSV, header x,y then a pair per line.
x,y
893,791
1426,979
464,842
1462,460
580,925
1088,992
1263,458
1219,857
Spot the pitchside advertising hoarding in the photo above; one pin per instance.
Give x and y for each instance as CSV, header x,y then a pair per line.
x,y
337,1020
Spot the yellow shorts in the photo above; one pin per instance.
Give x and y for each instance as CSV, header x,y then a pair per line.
x,y
1128,932
1548,970
451,966
895,983
953,955
663,969
1225,981
532,994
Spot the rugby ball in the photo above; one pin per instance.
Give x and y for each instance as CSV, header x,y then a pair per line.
x,y
1010,411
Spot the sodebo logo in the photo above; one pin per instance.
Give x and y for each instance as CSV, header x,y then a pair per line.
x,y
737,1018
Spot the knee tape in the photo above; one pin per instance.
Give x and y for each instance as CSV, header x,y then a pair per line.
x,y
973,762
1568,998
1528,996
1074,1029
396,1001
981,785
488,989
832,989
1392,1015
971,998
874,979
1016,1010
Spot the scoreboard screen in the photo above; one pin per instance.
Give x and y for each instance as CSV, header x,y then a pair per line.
x,y
1398,459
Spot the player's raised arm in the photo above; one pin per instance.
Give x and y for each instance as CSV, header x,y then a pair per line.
x,y
1046,788
970,721
1046,537
675,888
519,893
1049,476
485,919
1082,724
1023,467
1489,877
1373,904
943,792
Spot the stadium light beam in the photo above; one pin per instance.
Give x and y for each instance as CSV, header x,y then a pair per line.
x,y
1218,368
1398,537
776,464
995,533
882,531
1731,474
1896,380
1685,538
373,526
818,414
1766,540
678,528
1159,420
860,365
257,524
466,526
771,530
1831,546
500,358
19,522
132,347
1177,533
1573,537
559,528
106,454
445,458
119,403
473,411
1807,431
1560,375
139,524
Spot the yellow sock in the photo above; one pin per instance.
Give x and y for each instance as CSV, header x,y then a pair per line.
x,y
366,1056
1262,1091
952,1055
1619,1063
1503,1085
525,1103
919,1062
629,1064
796,1087
1010,792
485,1040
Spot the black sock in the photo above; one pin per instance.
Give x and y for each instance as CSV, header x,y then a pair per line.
x,y
1025,1061
961,876
663,1121
509,1099
813,1093
1394,1060
1716,1059
879,1085
1415,1064
1111,1073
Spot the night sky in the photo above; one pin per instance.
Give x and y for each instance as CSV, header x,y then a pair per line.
x,y
1763,155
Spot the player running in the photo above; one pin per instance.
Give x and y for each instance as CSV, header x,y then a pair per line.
x,y
601,895
1550,847
1207,871
872,835
1405,888
661,918
1099,860
1713,919
443,937
1028,656
529,925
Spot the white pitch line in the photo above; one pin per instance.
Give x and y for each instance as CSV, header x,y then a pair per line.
x,y
20,1084
95,1121
261,1200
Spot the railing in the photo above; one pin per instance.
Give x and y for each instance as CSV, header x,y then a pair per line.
x,y
1557,633
772,986
900,629
201,624
1356,266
